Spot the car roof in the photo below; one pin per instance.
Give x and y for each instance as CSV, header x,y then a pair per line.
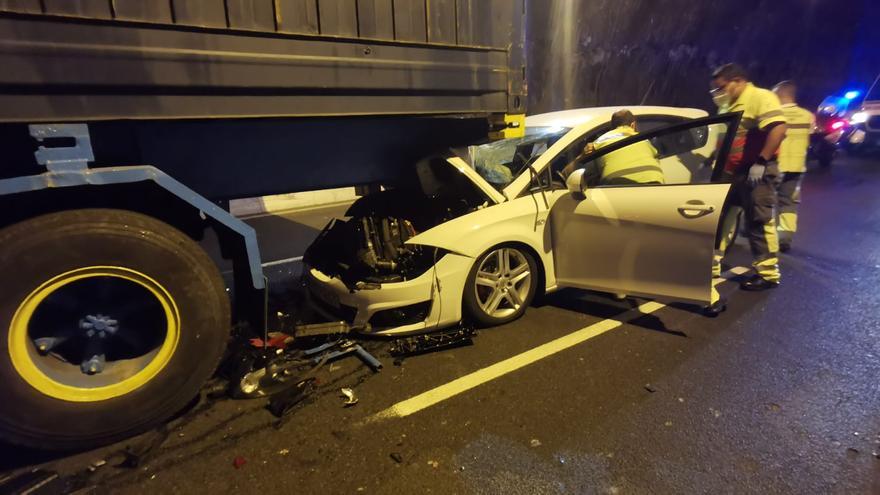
x,y
575,117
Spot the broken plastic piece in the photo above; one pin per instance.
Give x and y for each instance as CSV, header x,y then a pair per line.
x,y
650,388
351,398
421,344
284,402
397,457
238,462
329,328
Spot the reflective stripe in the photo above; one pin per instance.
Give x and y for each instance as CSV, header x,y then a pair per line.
x,y
770,115
799,126
788,222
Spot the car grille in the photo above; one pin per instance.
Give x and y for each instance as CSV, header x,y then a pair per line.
x,y
874,123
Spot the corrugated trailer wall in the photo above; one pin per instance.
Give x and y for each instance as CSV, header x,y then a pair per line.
x,y
110,59
455,22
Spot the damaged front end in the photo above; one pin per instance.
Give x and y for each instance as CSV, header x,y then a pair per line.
x,y
372,247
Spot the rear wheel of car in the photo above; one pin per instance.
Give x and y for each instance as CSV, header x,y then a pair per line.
x,y
500,286
114,321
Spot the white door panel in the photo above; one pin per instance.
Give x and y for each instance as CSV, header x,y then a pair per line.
x,y
642,240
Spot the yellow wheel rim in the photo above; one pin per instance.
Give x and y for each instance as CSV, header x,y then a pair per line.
x,y
27,360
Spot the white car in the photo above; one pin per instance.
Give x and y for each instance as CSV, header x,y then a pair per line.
x,y
476,234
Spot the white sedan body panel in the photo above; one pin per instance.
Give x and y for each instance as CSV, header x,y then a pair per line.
x,y
560,230
610,241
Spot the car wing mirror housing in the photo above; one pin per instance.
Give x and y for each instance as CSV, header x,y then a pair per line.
x,y
575,184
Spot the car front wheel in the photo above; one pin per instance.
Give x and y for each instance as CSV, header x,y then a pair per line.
x,y
500,286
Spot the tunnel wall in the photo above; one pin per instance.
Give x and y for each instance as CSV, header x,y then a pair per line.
x,y
618,52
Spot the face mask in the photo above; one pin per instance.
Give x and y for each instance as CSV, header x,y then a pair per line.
x,y
720,97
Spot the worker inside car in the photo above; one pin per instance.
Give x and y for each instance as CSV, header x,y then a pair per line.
x,y
636,163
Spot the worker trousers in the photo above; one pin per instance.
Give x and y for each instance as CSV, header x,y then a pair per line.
x,y
789,197
758,204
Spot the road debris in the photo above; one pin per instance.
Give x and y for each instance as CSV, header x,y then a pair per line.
x,y
238,462
436,341
283,451
351,398
434,464
97,464
667,424
283,403
397,457
535,442
650,388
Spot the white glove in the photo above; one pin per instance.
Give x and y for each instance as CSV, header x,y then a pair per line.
x,y
756,173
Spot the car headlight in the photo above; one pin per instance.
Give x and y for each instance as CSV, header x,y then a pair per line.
x,y
859,118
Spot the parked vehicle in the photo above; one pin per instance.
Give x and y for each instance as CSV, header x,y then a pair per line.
x,y
832,125
864,133
476,233
150,116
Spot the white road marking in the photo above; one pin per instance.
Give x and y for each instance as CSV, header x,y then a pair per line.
x,y
479,377
281,262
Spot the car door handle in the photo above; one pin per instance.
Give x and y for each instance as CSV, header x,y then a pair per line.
x,y
695,211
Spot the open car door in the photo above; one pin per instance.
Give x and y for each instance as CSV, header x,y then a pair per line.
x,y
647,239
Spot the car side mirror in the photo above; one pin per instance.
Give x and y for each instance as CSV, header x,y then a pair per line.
x,y
575,184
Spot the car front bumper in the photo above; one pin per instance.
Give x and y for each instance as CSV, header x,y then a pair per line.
x,y
390,308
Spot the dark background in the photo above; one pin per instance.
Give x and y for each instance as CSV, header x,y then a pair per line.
x,y
622,52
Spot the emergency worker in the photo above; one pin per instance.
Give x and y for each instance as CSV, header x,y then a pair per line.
x,y
792,160
752,169
635,163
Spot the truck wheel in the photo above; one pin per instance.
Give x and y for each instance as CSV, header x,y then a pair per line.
x,y
500,286
114,321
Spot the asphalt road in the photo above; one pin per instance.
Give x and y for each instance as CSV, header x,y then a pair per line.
x,y
780,394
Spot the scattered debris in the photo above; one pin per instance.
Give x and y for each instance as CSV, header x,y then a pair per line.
x,y
330,328
397,457
436,341
283,451
774,407
681,399
433,464
667,424
238,462
345,348
876,454
715,412
650,388
282,403
535,442
351,398
97,464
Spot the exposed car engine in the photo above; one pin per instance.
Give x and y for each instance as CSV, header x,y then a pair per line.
x,y
370,247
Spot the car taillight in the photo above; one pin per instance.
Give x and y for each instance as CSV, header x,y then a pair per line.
x,y
837,125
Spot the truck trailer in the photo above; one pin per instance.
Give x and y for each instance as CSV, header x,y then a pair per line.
x,y
126,126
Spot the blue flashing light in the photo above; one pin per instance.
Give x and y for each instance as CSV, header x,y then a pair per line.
x,y
852,95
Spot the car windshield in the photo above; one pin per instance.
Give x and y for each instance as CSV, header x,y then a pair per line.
x,y
499,162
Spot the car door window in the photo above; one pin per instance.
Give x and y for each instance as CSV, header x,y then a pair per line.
x,y
674,154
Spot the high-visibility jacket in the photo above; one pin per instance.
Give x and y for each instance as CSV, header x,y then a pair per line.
x,y
635,163
793,150
760,108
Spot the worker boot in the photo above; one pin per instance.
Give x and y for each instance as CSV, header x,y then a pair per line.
x,y
716,308
758,283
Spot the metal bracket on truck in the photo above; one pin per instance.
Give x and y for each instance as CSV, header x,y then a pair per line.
x,y
68,167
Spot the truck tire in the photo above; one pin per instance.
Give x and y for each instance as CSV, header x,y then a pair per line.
x,y
114,321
